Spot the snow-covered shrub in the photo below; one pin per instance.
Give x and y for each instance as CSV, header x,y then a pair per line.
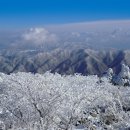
x,y
55,102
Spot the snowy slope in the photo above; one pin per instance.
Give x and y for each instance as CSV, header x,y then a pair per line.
x,y
84,61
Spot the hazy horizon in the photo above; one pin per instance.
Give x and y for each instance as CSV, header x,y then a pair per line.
x,y
97,34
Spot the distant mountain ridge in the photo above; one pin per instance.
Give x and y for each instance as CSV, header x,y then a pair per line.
x,y
84,61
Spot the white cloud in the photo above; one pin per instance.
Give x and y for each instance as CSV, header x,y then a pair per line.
x,y
39,36
76,34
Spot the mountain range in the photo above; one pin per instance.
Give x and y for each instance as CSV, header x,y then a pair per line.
x,y
63,61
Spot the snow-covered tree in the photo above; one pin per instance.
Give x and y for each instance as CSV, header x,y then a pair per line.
x,y
55,102
107,76
109,73
123,78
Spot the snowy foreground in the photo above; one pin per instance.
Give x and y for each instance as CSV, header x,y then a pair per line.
x,y
55,102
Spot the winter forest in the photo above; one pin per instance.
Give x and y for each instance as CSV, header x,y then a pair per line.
x,y
65,102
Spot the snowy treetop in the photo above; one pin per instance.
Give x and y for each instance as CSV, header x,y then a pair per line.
x,y
54,102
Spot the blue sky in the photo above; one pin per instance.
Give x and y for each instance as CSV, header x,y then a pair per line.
x,y
24,13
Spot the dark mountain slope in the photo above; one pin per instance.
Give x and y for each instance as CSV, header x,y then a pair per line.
x,y
84,61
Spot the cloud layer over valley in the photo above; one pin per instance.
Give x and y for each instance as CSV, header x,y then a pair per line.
x,y
96,35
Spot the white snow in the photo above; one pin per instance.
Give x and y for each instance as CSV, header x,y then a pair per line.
x,y
55,102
